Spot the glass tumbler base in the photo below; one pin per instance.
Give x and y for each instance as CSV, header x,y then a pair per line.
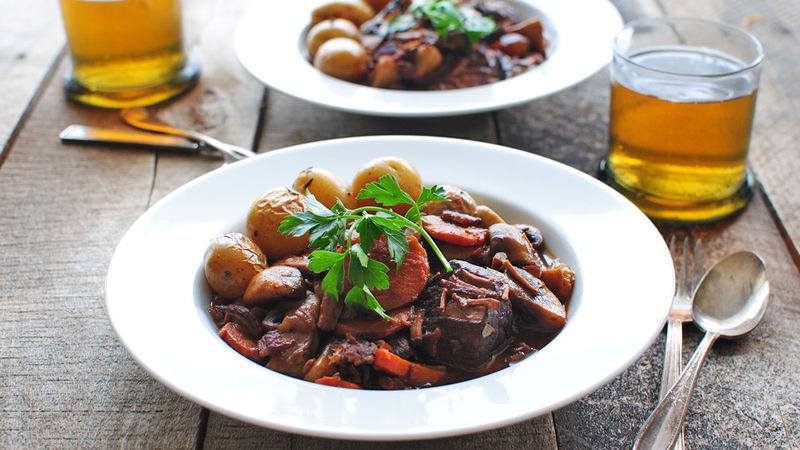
x,y
182,82
670,211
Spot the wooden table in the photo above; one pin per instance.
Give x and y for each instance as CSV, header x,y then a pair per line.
x,y
66,381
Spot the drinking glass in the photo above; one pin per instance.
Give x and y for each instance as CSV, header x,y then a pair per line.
x,y
126,52
683,94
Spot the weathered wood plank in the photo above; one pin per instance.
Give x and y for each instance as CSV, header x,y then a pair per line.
x,y
758,406
84,390
228,433
290,122
31,40
64,378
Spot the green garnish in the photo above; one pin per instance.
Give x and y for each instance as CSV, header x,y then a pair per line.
x,y
447,17
331,236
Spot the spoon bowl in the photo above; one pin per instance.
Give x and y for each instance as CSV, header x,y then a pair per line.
x,y
731,298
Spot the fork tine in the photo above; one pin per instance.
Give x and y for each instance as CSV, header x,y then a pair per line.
x,y
697,262
688,268
679,257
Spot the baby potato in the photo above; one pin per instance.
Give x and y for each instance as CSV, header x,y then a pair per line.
x,y
329,29
342,58
356,11
324,185
406,175
265,216
231,261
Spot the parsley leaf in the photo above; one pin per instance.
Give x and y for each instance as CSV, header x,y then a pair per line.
x,y
368,232
361,296
333,282
386,191
373,275
446,17
432,194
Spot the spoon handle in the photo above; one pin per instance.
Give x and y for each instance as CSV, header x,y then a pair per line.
x,y
664,424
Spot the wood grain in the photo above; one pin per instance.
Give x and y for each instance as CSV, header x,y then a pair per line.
x,y
64,378
30,41
82,389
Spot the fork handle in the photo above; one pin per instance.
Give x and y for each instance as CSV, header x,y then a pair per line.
x,y
672,365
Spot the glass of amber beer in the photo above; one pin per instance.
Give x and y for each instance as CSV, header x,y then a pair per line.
x,y
126,52
683,94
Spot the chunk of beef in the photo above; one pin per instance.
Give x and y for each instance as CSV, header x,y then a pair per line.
x,y
338,353
294,341
468,317
329,309
238,314
375,328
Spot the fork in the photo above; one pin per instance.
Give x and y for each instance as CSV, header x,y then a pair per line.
x,y
680,311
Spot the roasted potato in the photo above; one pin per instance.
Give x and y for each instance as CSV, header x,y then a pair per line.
x,y
406,175
231,261
324,185
356,11
329,29
458,200
265,216
342,58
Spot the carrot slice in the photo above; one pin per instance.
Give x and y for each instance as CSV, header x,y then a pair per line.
x,y
424,374
452,233
390,363
233,336
336,381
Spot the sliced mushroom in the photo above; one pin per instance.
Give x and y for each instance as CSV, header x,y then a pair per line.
x,y
513,242
458,200
531,296
273,283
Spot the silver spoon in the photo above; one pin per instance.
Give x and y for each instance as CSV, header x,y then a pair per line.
x,y
141,118
729,302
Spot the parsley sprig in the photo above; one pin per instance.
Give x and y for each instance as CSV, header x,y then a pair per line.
x,y
446,17
331,232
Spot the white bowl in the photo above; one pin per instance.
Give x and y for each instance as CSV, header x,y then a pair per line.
x,y
269,43
157,297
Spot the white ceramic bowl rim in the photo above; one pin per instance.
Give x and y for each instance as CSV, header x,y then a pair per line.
x,y
268,42
156,295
